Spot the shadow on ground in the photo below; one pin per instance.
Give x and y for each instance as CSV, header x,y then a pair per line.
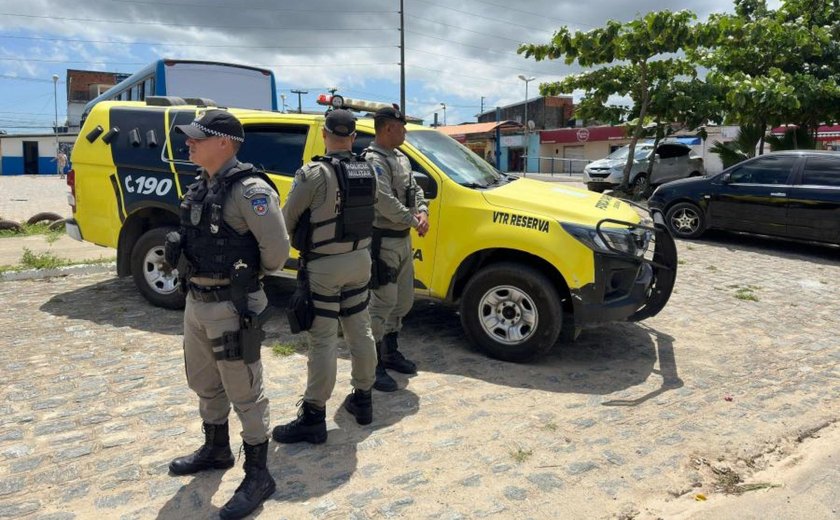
x,y
824,254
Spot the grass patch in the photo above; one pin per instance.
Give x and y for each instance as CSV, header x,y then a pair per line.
x,y
48,260
520,454
41,228
550,427
712,268
284,349
681,262
746,293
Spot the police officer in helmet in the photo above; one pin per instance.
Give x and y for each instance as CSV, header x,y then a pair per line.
x,y
329,212
400,206
232,231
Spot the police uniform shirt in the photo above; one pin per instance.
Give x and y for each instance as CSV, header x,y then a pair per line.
x,y
252,205
393,174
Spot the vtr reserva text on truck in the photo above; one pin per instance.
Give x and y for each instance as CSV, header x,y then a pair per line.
x,y
528,262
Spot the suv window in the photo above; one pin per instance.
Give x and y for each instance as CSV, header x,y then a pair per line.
x,y
764,170
822,171
274,148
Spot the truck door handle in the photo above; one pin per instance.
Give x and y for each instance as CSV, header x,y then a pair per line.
x,y
778,194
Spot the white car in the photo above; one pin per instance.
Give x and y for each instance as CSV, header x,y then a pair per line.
x,y
673,160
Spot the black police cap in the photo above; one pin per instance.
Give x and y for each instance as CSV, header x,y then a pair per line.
x,y
390,113
340,122
218,123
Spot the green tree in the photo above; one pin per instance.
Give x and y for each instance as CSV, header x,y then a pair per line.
x,y
637,59
775,67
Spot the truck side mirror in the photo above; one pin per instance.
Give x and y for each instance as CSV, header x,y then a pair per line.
x,y
726,178
425,182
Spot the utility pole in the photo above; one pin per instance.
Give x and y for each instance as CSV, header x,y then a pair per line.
x,y
482,106
402,56
444,113
55,98
299,92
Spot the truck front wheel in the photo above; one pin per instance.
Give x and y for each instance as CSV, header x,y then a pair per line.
x,y
155,280
511,311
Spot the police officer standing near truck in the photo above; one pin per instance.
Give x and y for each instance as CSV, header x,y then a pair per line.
x,y
231,231
330,214
400,206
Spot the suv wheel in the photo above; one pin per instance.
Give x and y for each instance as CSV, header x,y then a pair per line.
x,y
640,185
511,311
155,280
685,220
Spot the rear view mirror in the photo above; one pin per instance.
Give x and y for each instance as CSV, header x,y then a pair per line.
x,y
428,184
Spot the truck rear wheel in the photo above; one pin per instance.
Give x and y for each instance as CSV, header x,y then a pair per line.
x,y
512,312
155,280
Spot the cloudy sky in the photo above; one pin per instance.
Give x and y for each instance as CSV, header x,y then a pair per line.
x,y
456,52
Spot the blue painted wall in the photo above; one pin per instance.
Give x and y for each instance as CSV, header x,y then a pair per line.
x,y
14,166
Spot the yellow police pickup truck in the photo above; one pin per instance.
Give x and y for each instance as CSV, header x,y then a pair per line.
x,y
528,262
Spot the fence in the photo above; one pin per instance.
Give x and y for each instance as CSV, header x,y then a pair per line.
x,y
560,165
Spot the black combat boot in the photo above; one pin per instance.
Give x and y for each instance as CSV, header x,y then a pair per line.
x,y
384,382
360,405
392,358
214,454
310,426
255,487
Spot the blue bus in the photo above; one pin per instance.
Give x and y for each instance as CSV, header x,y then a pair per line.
x,y
227,84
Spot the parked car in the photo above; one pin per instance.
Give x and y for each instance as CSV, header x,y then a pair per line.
x,y
793,194
672,160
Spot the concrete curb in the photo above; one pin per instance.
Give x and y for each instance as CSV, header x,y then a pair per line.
x,y
37,274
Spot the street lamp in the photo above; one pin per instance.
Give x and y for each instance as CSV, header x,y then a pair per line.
x,y
526,80
444,113
55,126
283,100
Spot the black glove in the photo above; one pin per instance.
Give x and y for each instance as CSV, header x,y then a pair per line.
x,y
172,248
275,291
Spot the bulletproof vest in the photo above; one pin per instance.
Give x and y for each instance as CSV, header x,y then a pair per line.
x,y
410,188
211,246
344,221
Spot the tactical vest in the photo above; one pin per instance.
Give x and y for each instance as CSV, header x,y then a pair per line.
x,y
344,222
410,201
211,246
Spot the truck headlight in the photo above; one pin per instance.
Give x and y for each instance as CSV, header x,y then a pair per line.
x,y
633,242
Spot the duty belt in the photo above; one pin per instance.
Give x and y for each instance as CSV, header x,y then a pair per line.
x,y
220,293
391,233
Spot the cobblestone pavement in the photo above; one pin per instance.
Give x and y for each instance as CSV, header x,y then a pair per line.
x,y
742,361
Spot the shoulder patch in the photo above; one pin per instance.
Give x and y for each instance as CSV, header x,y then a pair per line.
x,y
260,205
259,189
379,170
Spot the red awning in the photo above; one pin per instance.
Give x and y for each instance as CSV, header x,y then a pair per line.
x,y
582,135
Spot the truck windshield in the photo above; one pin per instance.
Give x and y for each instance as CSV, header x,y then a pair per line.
x,y
458,162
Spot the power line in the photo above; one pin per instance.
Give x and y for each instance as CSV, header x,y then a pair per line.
x,y
541,15
518,69
250,8
202,45
496,36
203,26
280,65
21,78
473,15
492,51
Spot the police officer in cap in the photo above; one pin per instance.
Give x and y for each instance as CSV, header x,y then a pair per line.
x,y
232,231
400,206
329,212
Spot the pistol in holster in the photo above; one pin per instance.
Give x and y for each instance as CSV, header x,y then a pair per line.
x,y
301,309
380,272
246,342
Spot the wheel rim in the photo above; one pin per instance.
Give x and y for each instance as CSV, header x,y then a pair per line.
x,y
157,273
685,220
640,185
508,315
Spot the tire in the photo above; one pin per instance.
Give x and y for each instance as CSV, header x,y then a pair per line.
x,y
640,185
597,188
44,216
153,278
685,220
58,224
10,225
511,312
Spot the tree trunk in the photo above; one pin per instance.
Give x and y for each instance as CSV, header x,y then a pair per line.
x,y
763,124
637,132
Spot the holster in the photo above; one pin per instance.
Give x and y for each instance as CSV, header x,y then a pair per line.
x,y
172,248
245,343
380,272
301,309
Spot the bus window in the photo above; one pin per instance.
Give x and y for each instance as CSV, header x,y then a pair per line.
x,y
149,87
135,93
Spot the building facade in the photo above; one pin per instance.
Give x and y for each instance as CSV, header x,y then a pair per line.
x,y
33,154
